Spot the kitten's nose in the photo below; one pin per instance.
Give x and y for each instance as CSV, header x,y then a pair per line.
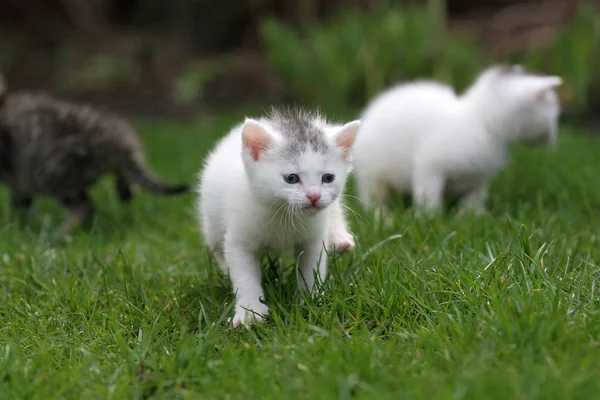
x,y
313,197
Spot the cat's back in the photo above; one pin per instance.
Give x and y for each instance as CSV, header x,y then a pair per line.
x,y
396,123
222,187
55,123
74,143
226,156
406,108
223,170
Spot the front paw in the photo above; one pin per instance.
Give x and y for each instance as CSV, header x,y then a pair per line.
x,y
342,242
250,314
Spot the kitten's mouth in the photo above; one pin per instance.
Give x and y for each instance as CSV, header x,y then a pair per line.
x,y
312,208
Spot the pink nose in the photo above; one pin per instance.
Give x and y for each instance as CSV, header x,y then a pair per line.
x,y
313,197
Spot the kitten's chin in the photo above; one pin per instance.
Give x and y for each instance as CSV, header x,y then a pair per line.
x,y
312,209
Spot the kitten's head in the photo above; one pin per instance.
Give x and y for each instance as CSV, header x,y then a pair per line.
x,y
295,158
524,105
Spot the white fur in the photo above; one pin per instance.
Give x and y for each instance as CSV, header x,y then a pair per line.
x,y
246,208
421,138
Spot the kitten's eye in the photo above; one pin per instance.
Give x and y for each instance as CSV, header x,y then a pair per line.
x,y
328,178
291,178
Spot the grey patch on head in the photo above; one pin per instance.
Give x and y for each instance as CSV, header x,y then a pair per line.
x,y
300,129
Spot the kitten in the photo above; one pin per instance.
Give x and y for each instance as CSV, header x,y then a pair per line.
x,y
421,138
60,149
275,184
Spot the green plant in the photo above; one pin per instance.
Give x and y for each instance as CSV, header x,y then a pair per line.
x,y
574,55
189,85
503,306
352,57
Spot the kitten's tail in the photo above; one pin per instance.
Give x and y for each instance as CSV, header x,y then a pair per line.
x,y
137,172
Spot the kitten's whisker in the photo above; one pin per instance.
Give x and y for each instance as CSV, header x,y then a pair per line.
x,y
297,220
302,222
284,217
356,214
288,218
276,212
356,198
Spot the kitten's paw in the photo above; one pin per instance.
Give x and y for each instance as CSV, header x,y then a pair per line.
x,y
250,315
341,242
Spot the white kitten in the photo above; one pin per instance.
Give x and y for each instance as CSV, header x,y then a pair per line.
x,y
275,184
423,139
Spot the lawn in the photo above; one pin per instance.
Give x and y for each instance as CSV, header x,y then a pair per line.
x,y
506,306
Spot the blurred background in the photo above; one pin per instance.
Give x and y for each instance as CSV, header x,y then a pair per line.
x,y
182,58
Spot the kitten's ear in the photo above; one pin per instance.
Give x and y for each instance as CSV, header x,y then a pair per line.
x,y
256,138
546,84
345,137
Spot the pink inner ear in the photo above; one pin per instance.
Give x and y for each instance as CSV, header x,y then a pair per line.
x,y
345,142
255,138
345,139
258,145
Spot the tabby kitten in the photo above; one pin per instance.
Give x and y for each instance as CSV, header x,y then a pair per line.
x,y
60,149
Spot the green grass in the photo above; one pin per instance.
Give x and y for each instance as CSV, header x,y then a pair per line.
x,y
500,307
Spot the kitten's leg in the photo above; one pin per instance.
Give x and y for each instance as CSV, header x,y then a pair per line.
x,y
428,191
339,237
475,200
312,259
81,211
371,193
245,275
364,191
123,189
220,260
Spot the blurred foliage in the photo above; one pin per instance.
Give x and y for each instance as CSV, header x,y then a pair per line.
x,y
355,55
575,56
103,68
189,85
347,60
336,54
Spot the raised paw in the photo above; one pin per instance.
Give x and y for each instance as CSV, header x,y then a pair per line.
x,y
342,242
250,315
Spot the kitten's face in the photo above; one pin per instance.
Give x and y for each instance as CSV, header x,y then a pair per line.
x,y
308,182
529,101
306,175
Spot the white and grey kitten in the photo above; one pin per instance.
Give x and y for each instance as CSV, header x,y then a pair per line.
x,y
274,184
424,140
